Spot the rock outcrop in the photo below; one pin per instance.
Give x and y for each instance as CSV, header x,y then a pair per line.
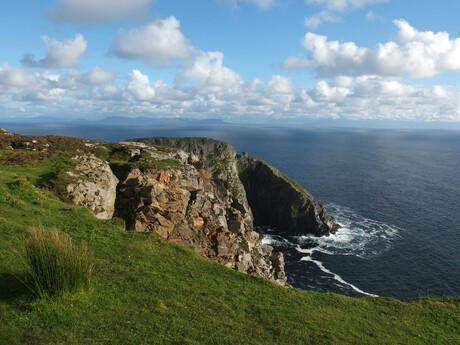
x,y
217,157
187,204
278,201
94,187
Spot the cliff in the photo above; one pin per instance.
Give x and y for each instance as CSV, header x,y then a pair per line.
x,y
274,198
188,190
195,200
147,289
278,201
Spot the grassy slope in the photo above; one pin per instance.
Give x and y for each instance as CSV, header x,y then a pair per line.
x,y
147,290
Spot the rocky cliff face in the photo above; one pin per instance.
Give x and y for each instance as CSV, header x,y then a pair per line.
x,y
278,201
217,157
169,192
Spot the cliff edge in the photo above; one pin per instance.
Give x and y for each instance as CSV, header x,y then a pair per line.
x,y
278,201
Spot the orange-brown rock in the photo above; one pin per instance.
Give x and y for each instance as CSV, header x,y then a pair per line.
x,y
191,206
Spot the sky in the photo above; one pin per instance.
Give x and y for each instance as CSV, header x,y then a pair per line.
x,y
235,60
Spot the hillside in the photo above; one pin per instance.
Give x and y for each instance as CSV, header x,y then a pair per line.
x,y
146,289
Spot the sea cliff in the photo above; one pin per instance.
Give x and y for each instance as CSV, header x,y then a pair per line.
x,y
278,201
187,190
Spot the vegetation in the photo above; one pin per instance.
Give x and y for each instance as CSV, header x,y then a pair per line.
x,y
53,264
145,289
243,173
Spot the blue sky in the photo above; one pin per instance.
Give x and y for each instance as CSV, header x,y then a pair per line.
x,y
231,59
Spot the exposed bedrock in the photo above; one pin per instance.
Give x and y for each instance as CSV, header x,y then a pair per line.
x,y
216,157
278,201
94,186
197,207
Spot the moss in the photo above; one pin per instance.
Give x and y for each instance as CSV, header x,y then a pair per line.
x,y
278,173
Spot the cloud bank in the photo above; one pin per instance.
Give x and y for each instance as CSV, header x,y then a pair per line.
x,y
362,83
414,53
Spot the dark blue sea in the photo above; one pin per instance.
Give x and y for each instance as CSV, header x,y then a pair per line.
x,y
396,194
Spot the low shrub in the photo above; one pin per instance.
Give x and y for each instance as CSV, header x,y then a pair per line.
x,y
53,264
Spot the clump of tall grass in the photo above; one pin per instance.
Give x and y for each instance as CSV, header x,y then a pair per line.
x,y
53,264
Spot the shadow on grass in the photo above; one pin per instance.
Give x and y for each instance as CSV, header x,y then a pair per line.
x,y
11,286
45,179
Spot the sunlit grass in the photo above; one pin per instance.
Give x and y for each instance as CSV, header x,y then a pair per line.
x,y
53,264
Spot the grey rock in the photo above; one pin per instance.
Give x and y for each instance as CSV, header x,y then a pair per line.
x,y
95,187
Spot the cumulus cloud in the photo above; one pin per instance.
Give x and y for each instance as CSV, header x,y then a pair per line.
x,y
281,84
13,77
316,20
207,69
342,5
98,11
59,54
99,76
362,97
157,43
415,53
140,86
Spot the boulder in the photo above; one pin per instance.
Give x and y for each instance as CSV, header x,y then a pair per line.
x,y
94,187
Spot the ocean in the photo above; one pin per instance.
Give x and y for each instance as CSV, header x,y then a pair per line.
x,y
396,194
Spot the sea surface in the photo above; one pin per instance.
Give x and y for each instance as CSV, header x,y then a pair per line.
x,y
396,194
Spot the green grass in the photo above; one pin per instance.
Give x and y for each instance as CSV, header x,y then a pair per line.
x,y
54,265
146,290
297,186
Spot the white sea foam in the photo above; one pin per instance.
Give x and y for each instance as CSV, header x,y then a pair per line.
x,y
359,236
336,276
276,240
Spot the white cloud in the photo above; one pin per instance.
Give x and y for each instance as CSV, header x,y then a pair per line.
x,y
418,54
281,84
342,5
98,11
13,77
99,76
316,20
323,92
207,69
157,43
363,97
59,54
262,4
140,86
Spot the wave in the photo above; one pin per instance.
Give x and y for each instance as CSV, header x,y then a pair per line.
x,y
336,276
359,236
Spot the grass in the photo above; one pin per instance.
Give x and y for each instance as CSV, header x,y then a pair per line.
x,y
294,184
53,264
146,290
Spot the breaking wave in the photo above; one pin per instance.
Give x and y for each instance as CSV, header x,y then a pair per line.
x,y
359,236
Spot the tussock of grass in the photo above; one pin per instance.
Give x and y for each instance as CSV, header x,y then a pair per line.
x,y
53,264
